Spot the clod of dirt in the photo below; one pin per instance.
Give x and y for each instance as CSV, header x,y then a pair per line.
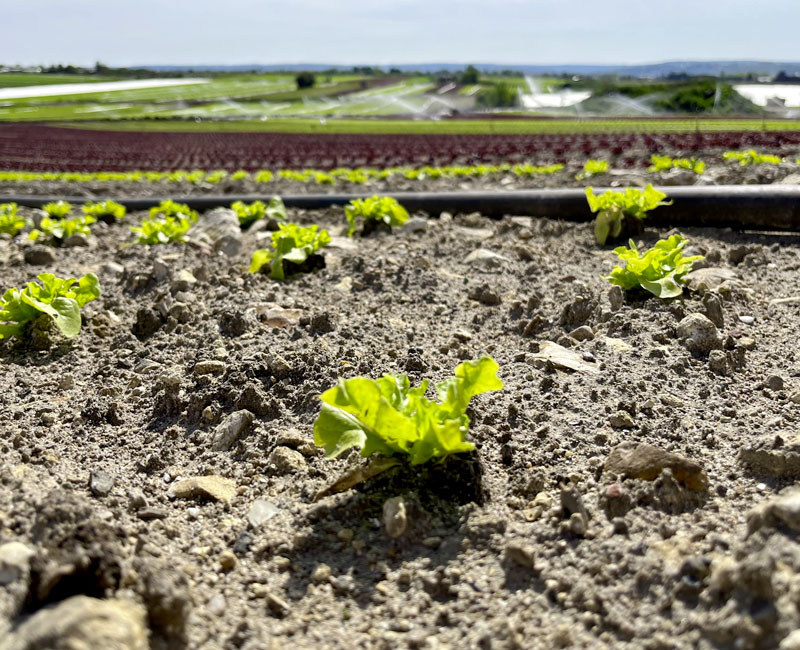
x,y
698,334
14,562
781,511
773,455
643,461
40,256
166,595
82,622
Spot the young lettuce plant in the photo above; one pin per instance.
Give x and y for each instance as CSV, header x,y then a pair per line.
x,y
10,222
59,299
374,210
172,209
665,163
293,250
659,270
163,230
57,209
389,417
105,211
592,168
55,231
248,214
751,157
615,208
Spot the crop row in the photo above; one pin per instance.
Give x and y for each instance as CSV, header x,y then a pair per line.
x,y
361,175
36,147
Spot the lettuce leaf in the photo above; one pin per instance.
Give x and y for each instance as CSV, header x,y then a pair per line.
x,y
658,270
58,298
390,417
291,243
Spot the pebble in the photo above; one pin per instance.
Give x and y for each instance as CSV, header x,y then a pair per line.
x,y
286,461
209,367
646,462
184,280
747,320
795,397
261,512
322,573
698,334
151,512
621,420
15,558
40,256
136,499
746,343
520,553
101,483
582,333
485,259
774,382
231,429
227,560
395,519
217,605
616,298
213,487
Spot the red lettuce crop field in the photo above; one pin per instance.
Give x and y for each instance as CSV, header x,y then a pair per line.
x,y
44,148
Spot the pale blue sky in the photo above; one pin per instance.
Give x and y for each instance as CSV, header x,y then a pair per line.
x,y
396,31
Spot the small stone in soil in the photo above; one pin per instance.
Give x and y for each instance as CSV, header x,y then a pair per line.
x,y
215,488
286,461
261,512
774,382
395,520
101,483
639,460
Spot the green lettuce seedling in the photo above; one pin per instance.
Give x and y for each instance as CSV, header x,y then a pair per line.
x,y
163,230
751,157
57,209
612,207
389,417
592,168
55,231
106,211
10,222
250,213
292,244
665,163
172,209
374,210
58,298
659,270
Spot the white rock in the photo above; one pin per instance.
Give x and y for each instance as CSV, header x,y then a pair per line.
x,y
261,512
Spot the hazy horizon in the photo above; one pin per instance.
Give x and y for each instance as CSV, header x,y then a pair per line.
x,y
386,32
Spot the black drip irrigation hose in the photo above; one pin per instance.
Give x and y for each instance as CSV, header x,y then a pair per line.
x,y
741,207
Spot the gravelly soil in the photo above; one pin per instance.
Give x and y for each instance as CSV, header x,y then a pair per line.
x,y
716,174
557,552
